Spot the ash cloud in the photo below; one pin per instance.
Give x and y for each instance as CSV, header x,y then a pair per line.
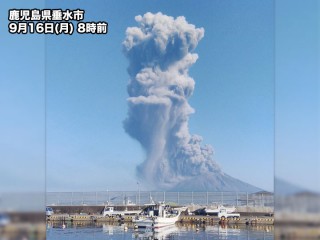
x,y
160,53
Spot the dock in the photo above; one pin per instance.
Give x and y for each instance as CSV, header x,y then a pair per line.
x,y
252,219
87,213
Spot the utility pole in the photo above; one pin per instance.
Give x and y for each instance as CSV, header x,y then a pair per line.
x,y
138,193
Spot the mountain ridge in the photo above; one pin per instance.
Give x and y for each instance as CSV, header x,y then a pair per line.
x,y
213,182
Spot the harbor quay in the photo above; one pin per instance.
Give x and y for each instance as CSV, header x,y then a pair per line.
x,y
94,214
248,208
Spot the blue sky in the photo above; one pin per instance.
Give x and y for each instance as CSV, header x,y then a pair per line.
x,y
22,138
87,148
297,93
233,99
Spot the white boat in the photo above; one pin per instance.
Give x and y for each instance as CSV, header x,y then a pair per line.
x,y
160,233
157,216
216,210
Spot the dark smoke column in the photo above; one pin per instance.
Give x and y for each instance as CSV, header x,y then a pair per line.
x,y
159,51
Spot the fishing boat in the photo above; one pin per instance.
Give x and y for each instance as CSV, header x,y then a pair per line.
x,y
157,216
159,233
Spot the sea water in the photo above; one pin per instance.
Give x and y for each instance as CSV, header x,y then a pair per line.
x,y
98,231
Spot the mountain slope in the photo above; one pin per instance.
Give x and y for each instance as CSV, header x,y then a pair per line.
x,y
215,182
283,187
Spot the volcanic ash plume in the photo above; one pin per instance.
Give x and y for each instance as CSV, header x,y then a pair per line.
x,y
160,54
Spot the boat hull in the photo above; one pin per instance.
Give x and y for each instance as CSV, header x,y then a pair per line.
x,y
144,223
155,223
165,222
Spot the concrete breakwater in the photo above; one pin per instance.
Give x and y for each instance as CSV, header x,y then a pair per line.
x,y
94,214
84,209
95,210
253,220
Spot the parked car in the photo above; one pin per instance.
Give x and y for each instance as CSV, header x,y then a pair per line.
x,y
49,211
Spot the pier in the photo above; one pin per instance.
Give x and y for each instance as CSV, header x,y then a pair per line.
x,y
208,220
254,208
94,214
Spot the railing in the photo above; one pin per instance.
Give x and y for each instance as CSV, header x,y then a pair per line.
x,y
144,197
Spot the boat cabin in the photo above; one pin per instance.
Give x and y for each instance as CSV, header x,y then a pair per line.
x,y
157,210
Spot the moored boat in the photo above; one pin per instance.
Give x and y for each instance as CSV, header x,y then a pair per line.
x,y
157,216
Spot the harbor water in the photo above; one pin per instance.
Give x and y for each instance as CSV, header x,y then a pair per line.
x,y
79,231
